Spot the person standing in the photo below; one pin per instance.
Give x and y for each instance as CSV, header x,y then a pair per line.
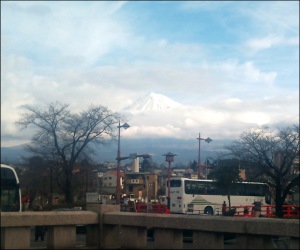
x,y
224,208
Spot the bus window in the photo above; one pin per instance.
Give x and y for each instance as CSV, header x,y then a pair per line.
x,y
9,200
238,189
195,187
212,189
255,190
175,183
10,190
249,189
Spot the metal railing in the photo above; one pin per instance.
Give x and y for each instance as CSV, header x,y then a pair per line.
x,y
289,211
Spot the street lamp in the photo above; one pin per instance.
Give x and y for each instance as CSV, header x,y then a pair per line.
x,y
118,193
169,158
208,140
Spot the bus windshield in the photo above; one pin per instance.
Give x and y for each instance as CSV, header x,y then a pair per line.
x,y
10,190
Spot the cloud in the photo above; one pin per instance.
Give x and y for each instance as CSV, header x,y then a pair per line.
x,y
205,6
68,34
224,109
277,16
258,118
269,41
227,119
247,72
264,43
233,64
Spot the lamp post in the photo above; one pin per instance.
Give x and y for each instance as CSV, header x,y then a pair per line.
x,y
118,192
169,158
208,140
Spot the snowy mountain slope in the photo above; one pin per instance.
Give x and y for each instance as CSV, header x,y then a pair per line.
x,y
152,102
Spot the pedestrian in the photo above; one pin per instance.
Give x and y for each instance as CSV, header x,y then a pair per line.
x,y
224,208
256,210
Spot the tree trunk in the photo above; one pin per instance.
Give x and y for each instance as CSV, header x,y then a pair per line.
x,y
50,197
68,187
278,199
278,204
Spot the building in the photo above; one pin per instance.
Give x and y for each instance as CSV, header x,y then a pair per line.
x,y
109,182
142,186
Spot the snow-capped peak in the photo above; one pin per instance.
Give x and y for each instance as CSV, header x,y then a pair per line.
x,y
153,101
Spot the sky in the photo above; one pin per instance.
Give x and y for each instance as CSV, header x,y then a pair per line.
x,y
234,65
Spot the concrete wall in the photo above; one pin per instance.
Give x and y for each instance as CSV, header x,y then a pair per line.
x,y
108,228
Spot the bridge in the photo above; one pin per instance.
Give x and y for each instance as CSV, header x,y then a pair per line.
x,y
108,228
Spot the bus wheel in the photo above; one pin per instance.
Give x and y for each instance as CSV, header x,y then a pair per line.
x,y
209,211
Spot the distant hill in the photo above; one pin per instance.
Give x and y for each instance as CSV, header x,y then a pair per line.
x,y
186,150
14,154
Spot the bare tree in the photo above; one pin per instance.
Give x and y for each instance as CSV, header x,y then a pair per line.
x,y
272,155
62,137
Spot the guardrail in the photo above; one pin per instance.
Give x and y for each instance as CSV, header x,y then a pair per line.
x,y
107,227
289,211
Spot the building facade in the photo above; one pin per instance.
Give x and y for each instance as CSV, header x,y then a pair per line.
x,y
141,186
109,182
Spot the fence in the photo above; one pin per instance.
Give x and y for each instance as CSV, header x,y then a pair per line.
x,y
289,211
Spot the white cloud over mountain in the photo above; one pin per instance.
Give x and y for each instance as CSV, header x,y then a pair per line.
x,y
156,115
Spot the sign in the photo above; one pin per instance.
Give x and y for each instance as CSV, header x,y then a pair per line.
x,y
92,198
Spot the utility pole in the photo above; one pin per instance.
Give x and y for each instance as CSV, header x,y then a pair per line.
x,y
200,172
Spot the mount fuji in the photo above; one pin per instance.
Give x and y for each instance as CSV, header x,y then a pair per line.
x,y
153,102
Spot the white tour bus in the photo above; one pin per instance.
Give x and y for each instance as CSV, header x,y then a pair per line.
x,y
202,196
10,190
